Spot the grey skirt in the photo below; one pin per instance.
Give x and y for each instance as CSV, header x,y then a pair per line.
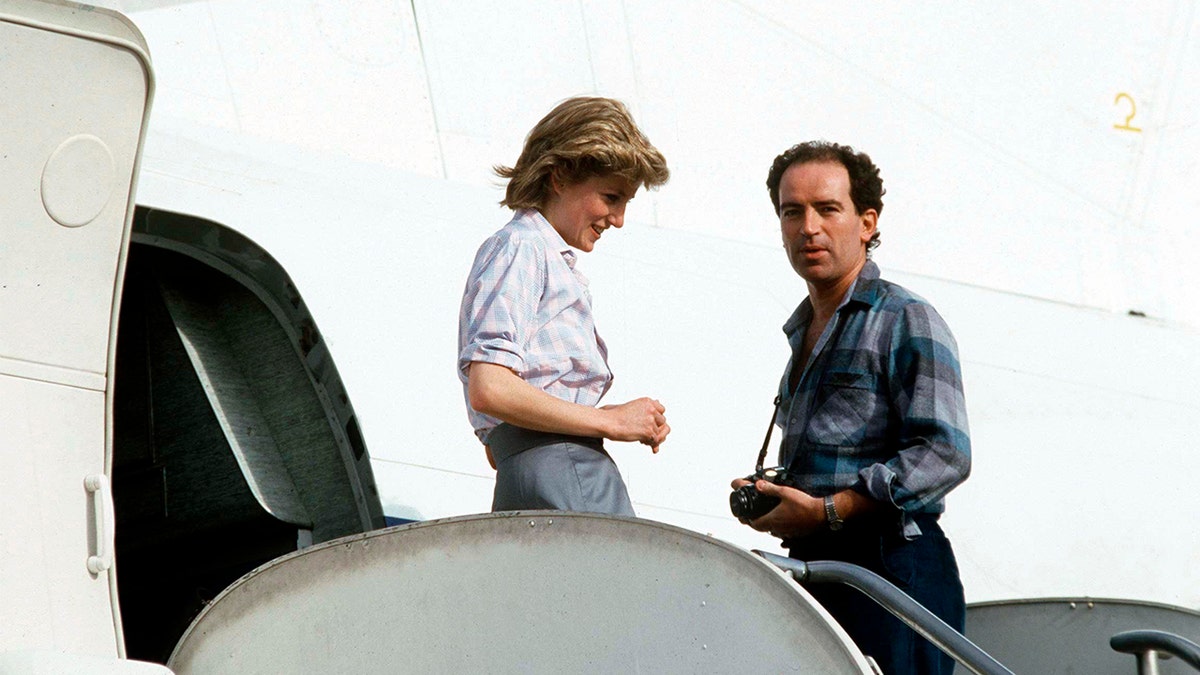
x,y
540,470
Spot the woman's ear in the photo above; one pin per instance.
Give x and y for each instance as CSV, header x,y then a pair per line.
x,y
556,183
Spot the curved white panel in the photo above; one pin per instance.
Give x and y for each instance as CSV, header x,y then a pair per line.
x,y
514,593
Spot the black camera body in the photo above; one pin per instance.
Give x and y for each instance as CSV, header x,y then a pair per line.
x,y
747,503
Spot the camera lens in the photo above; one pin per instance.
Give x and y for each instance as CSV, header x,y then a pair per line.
x,y
748,503
740,502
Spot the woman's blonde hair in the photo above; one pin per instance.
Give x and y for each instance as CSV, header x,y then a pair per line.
x,y
581,138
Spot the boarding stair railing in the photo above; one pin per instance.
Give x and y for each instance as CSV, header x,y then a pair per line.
x,y
1151,645
912,613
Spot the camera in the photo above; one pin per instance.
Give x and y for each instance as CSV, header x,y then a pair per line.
x,y
747,503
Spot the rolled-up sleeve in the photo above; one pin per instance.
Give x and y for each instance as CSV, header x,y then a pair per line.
x,y
932,439
499,306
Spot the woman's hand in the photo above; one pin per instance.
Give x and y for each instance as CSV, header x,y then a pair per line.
x,y
641,420
497,391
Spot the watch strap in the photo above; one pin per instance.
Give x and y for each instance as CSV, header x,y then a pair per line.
x,y
831,514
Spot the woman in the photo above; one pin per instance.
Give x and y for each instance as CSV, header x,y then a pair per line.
x,y
532,365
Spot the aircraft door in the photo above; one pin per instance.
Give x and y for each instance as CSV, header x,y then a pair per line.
x,y
75,87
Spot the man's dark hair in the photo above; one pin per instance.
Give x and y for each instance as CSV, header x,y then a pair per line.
x,y
866,187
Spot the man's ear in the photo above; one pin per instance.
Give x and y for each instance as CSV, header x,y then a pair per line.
x,y
869,220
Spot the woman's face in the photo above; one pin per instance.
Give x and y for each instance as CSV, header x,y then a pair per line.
x,y
581,212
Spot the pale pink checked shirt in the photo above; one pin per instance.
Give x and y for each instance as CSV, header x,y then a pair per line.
x,y
527,308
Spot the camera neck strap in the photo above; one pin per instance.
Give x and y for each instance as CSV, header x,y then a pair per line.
x,y
762,454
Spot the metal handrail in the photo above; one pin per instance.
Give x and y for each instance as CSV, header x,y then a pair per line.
x,y
1147,644
912,613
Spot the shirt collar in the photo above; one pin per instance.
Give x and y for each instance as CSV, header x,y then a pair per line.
x,y
865,290
534,220
866,287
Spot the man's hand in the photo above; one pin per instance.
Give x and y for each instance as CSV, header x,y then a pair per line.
x,y
798,513
639,420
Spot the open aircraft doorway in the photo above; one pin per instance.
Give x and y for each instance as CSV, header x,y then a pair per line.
x,y
234,442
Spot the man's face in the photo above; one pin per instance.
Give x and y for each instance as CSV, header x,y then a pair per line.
x,y
824,235
581,212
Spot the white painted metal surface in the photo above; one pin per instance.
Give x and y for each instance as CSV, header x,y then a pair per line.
x,y
57,663
76,86
1040,166
533,592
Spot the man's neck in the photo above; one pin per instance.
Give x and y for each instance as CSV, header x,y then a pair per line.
x,y
825,298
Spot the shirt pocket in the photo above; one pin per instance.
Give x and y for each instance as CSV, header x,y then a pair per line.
x,y
848,410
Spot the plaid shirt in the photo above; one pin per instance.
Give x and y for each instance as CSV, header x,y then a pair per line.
x,y
879,406
526,307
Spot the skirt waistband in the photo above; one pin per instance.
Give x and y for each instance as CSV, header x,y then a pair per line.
x,y
507,440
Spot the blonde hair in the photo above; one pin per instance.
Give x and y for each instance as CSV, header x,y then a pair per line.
x,y
582,137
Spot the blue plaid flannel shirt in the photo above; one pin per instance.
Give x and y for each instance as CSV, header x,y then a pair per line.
x,y
879,407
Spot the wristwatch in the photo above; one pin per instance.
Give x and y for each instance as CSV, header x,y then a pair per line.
x,y
831,514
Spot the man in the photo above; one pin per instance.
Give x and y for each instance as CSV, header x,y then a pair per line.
x,y
871,405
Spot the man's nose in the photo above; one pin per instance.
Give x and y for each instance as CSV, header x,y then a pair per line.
x,y
809,226
801,225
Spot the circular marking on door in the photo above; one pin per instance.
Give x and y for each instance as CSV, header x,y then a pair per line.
x,y
78,180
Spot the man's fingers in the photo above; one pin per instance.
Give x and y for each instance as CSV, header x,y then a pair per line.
x,y
767,488
759,525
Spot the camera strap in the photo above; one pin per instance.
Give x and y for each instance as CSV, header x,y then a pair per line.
x,y
762,454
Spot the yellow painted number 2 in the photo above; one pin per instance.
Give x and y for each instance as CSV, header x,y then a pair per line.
x,y
1128,125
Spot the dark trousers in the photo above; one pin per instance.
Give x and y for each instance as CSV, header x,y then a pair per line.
x,y
924,568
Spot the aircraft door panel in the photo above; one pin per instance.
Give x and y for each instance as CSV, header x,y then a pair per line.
x,y
75,89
